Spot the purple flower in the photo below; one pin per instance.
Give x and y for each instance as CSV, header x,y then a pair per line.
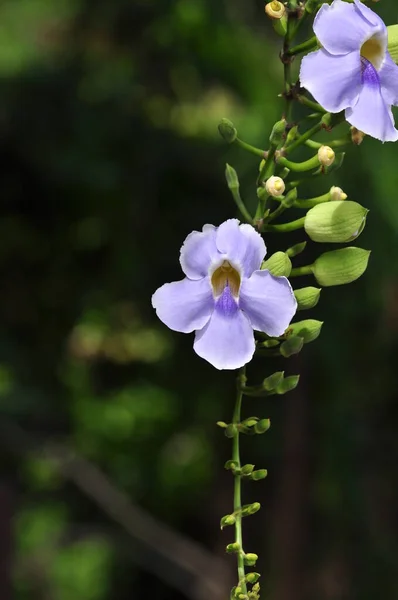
x,y
224,295
353,70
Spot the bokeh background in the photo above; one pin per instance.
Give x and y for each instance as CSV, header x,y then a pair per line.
x,y
112,484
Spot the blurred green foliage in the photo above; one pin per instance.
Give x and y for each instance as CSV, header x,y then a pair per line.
x,y
110,157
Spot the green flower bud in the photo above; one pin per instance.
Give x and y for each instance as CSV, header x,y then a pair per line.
x,y
250,559
307,297
338,222
233,548
231,465
252,577
296,249
270,343
222,424
271,382
247,470
292,346
250,509
232,177
291,136
250,421
275,186
260,474
227,130
230,430
392,32
288,384
227,521
340,266
277,133
278,264
262,193
262,426
308,330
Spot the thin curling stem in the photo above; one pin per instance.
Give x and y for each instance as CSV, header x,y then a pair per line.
x,y
238,480
299,271
250,148
303,138
285,227
310,44
310,103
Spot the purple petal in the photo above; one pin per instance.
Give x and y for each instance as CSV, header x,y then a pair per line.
x,y
334,81
342,27
371,114
388,75
184,305
372,17
268,301
242,245
198,252
226,342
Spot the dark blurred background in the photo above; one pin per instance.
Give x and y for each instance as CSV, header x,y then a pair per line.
x,y
112,484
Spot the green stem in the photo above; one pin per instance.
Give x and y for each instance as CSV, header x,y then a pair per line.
x,y
278,211
238,480
310,44
285,227
250,148
312,201
303,138
268,167
307,165
310,103
241,205
298,271
341,142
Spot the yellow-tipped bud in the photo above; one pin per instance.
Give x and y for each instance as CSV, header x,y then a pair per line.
x,y
336,194
326,156
275,186
275,9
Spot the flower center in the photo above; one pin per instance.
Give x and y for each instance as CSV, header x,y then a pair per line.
x,y
225,276
373,50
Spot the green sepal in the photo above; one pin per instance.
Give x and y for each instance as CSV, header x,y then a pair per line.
x,y
277,133
278,264
262,426
307,297
227,130
296,249
337,222
271,382
280,26
250,559
308,330
250,509
233,548
259,474
231,465
252,577
288,384
293,345
227,521
247,470
340,266
230,430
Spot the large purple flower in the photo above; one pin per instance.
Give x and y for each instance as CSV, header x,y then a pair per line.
x,y
224,295
353,70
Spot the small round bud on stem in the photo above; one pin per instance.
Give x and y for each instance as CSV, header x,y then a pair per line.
x,y
260,474
227,130
262,426
275,9
252,577
275,186
227,520
247,470
233,548
326,156
336,193
250,559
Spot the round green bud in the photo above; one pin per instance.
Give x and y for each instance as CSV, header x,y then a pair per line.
x,y
260,474
247,469
233,548
277,133
250,559
278,264
230,430
271,382
262,426
227,130
227,521
307,297
288,384
337,222
308,330
340,266
252,577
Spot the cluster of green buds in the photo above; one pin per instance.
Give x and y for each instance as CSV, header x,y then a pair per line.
x,y
330,218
